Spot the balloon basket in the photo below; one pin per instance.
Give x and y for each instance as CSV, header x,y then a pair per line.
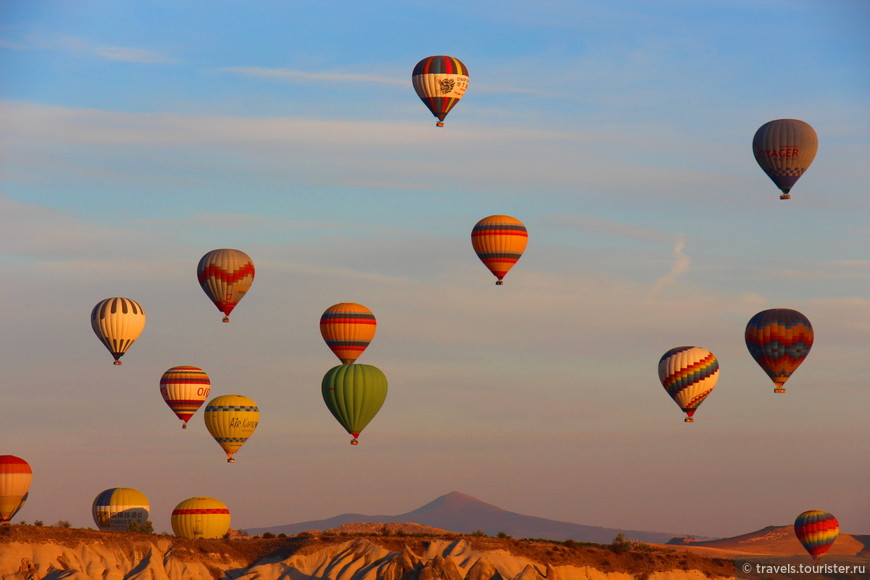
x,y
354,442
785,196
117,362
184,425
226,319
439,124
688,420
779,390
230,460
499,283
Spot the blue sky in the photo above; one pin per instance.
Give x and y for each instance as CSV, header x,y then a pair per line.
x,y
137,136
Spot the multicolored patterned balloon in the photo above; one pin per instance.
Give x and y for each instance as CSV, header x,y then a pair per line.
x,y
499,241
816,530
225,275
231,420
15,478
115,509
440,81
779,340
347,328
354,394
185,389
784,149
118,322
201,517
688,374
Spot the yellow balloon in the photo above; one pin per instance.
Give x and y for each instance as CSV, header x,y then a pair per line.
x,y
118,507
201,517
231,419
117,322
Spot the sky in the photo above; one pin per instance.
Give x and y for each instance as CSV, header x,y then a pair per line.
x,y
138,136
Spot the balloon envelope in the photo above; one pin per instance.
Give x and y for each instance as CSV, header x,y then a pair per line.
x,y
347,328
440,81
185,389
779,340
15,478
816,530
115,509
225,276
201,517
231,419
499,241
354,394
117,322
688,374
784,149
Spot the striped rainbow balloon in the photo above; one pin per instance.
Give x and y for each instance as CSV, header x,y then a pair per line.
x,y
185,389
440,81
347,328
779,339
499,241
816,530
688,374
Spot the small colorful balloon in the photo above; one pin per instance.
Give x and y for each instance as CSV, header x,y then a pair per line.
x,y
779,339
688,374
347,328
117,322
231,420
784,149
440,81
225,275
184,389
201,517
816,530
499,241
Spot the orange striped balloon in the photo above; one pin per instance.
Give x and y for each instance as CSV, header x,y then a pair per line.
x,y
347,328
15,478
499,241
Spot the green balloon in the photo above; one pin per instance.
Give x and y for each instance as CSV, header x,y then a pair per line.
x,y
354,393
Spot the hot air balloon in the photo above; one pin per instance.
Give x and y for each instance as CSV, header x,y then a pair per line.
x,y
185,389
347,328
816,530
231,419
688,374
779,340
15,478
784,149
354,394
116,509
499,241
440,81
118,322
225,276
201,517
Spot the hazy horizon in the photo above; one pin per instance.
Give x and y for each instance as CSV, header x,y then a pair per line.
x,y
138,136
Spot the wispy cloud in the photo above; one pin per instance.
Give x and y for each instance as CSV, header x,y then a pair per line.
x,y
83,47
679,267
290,75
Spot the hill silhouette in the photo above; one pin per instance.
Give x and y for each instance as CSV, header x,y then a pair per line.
x,y
461,513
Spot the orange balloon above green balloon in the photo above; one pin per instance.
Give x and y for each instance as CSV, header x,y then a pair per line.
x,y
440,81
784,149
201,517
347,328
15,479
185,389
779,340
688,374
499,241
118,322
118,508
354,394
231,420
816,530
226,276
